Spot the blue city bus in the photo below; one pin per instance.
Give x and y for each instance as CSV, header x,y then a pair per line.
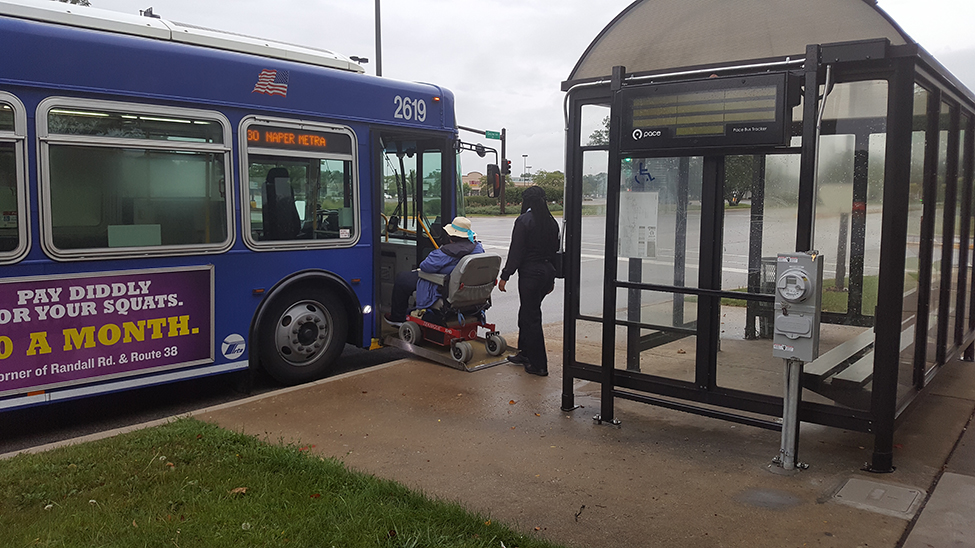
x,y
179,202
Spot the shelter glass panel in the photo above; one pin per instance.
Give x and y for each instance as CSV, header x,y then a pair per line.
x,y
912,265
953,246
761,193
594,125
660,220
938,239
589,337
759,219
849,203
964,158
593,233
841,375
659,243
668,347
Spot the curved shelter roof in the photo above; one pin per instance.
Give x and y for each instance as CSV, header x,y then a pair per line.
x,y
661,35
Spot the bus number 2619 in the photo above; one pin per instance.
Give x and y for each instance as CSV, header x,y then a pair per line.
x,y
408,109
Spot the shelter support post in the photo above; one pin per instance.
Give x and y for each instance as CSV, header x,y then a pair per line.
x,y
897,170
807,164
611,271
571,225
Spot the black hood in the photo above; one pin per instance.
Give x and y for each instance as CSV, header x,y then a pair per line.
x,y
458,248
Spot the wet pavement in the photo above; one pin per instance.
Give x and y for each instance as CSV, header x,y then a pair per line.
x,y
496,441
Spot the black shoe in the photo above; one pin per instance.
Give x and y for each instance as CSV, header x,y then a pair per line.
x,y
391,321
519,359
536,371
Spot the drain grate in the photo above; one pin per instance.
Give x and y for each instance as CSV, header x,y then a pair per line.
x,y
891,500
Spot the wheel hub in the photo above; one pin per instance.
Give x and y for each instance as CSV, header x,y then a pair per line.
x,y
302,333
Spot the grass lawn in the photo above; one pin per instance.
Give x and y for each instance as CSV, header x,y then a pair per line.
x,y
191,484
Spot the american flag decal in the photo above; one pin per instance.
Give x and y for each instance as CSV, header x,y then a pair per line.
x,y
272,82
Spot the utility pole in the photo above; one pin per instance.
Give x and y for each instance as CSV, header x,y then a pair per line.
x,y
504,162
379,43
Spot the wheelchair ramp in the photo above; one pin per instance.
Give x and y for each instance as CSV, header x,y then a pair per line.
x,y
441,354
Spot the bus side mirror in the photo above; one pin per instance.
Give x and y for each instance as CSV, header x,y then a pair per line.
x,y
494,180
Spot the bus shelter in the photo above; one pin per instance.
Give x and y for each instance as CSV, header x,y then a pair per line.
x,y
705,138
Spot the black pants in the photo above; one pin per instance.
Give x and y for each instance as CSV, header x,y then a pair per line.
x,y
403,287
535,281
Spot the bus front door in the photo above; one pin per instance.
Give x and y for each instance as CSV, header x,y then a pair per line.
x,y
415,200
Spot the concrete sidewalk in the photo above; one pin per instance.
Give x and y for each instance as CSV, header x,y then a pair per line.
x,y
496,442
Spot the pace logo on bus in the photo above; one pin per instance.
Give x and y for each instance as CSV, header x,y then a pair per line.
x,y
57,331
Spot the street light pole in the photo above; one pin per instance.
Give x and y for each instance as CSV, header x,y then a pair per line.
x,y
525,169
379,44
504,162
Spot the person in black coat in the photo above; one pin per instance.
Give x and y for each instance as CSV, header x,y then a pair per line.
x,y
534,244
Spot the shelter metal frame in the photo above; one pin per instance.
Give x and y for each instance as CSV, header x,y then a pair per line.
x,y
948,140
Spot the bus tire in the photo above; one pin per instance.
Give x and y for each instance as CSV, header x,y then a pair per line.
x,y
303,332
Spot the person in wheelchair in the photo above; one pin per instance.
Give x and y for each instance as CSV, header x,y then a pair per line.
x,y
439,261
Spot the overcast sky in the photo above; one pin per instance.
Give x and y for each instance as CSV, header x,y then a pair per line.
x,y
503,59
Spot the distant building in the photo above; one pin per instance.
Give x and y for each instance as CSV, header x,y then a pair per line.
x,y
474,179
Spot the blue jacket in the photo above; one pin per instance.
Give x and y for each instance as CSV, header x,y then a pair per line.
x,y
442,261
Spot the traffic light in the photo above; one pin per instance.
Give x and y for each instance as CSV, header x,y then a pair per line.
x,y
506,167
493,180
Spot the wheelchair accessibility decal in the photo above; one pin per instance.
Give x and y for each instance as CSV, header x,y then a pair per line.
x,y
643,175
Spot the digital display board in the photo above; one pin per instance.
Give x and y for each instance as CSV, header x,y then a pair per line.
x,y
717,112
298,139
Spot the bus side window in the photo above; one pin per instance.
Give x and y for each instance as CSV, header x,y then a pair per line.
x,y
120,190
281,220
13,215
9,237
301,187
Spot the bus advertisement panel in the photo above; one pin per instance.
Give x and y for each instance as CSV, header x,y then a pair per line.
x,y
61,331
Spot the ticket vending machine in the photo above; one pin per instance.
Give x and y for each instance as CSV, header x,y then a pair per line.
x,y
795,338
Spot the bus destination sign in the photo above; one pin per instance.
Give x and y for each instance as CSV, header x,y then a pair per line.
x,y
298,139
717,112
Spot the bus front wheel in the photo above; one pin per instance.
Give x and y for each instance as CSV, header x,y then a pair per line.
x,y
303,332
